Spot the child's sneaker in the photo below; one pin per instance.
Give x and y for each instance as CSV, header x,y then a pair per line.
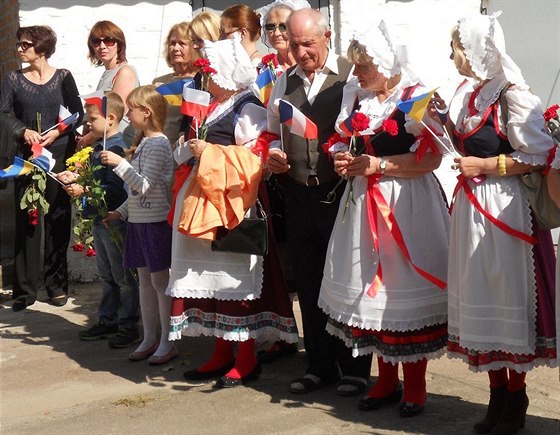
x,y
98,331
125,337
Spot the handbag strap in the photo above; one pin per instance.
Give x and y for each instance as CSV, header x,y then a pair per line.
x,y
260,209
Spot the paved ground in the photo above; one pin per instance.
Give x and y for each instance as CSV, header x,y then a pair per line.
x,y
53,383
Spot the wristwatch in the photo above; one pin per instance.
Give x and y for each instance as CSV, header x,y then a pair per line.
x,y
382,165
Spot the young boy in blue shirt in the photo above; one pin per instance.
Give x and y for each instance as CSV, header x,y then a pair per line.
x,y
118,309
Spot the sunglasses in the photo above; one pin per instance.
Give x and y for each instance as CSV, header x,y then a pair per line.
x,y
109,42
25,45
270,27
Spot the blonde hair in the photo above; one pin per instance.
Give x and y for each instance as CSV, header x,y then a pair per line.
x,y
115,105
459,57
182,29
146,97
357,54
205,25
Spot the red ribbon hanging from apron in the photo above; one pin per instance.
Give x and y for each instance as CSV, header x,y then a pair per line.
x,y
375,202
463,183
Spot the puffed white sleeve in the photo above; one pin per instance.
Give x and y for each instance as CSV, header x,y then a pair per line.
x,y
526,128
350,93
250,124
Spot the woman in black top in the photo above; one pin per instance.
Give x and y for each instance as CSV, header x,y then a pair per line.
x,y
34,94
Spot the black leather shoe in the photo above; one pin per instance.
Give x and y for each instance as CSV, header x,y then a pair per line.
x,y
225,382
19,304
373,403
195,375
410,409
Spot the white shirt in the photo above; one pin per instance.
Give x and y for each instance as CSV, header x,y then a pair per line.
x,y
311,89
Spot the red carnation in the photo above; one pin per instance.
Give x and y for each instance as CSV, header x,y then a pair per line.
x,y
201,63
208,70
390,126
78,247
551,112
360,121
270,59
90,252
33,216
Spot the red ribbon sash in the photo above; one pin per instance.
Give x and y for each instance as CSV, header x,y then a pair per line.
x,y
376,202
463,183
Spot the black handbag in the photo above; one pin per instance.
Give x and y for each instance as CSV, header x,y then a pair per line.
x,y
250,236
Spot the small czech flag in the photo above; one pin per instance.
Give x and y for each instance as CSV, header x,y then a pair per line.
x,y
98,99
195,103
300,125
42,157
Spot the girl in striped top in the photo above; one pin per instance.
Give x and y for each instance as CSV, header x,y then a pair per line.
x,y
148,172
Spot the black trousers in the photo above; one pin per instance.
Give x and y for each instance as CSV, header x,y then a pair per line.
x,y
57,223
309,222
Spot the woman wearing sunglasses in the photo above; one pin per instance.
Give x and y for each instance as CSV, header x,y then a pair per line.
x,y
34,95
107,47
273,20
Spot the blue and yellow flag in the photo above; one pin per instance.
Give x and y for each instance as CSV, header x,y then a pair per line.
x,y
265,81
20,167
415,107
173,92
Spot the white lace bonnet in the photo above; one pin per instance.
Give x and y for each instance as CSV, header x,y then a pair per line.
x,y
232,63
379,47
294,5
484,44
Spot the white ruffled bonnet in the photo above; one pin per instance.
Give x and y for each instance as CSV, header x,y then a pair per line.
x,y
263,13
484,45
232,63
379,47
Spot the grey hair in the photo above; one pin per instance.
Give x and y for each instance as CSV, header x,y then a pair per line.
x,y
320,22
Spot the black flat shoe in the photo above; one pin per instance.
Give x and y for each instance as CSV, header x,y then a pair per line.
x,y
225,382
410,409
373,403
195,375
19,305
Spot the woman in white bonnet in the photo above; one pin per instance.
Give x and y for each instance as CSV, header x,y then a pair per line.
x,y
501,271
388,298
224,294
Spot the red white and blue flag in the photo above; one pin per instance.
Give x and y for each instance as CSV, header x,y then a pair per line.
x,y
98,99
299,124
195,103
42,157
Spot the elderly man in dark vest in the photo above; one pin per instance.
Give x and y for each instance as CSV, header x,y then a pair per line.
x,y
314,86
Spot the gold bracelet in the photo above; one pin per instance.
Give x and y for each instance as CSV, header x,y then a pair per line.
x,y
502,165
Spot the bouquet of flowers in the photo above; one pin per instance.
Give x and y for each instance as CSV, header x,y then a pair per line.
x,y
93,197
